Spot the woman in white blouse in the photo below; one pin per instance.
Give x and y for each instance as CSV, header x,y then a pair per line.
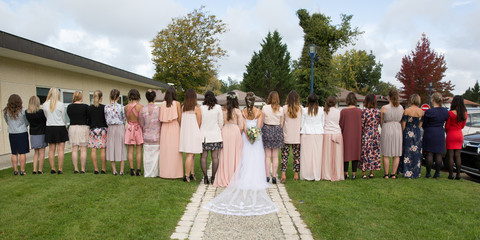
x,y
55,133
211,128
272,134
311,139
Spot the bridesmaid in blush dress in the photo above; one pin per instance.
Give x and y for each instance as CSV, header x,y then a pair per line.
x,y
190,135
332,143
150,123
171,160
455,123
231,152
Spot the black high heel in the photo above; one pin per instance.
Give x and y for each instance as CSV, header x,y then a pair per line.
x,y
205,180
212,179
268,179
192,177
132,172
139,172
186,178
274,180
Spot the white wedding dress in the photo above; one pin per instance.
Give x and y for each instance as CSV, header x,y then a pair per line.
x,y
246,193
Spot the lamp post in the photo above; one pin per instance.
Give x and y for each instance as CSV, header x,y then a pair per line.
x,y
430,95
312,50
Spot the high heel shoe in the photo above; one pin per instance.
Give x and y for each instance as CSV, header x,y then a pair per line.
x,y
274,180
205,180
457,177
139,172
192,177
132,172
268,179
212,179
186,179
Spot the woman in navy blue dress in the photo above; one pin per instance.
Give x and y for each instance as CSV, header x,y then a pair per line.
x,y
434,134
412,139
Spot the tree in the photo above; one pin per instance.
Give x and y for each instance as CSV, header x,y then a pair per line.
x,y
213,85
382,88
230,85
422,67
269,69
473,94
357,71
186,52
328,38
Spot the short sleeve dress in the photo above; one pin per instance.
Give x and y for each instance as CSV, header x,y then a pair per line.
x,y
434,133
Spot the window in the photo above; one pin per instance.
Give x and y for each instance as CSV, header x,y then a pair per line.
x,y
91,98
474,120
123,100
42,93
66,97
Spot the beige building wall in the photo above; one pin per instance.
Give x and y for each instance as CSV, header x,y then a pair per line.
x,y
23,78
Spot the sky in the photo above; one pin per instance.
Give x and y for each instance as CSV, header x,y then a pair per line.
x,y
118,32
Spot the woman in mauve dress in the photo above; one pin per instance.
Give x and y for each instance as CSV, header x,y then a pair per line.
x,y
231,152
351,125
332,142
171,159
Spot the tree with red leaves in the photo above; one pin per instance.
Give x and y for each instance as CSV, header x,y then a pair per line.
x,y
422,67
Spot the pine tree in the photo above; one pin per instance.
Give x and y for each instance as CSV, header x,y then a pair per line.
x,y
473,94
422,67
269,69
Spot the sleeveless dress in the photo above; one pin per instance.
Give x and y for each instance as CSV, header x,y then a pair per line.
x,y
133,132
246,195
171,160
412,147
391,136
433,131
370,158
231,152
149,120
190,135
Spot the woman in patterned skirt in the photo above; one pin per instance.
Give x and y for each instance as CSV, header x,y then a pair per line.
x,y
370,158
272,134
98,131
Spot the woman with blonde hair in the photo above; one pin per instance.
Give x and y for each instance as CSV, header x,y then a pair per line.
x,y
98,131
190,135
292,123
133,132
272,134
79,130
38,122
391,135
14,115
412,138
332,143
56,132
434,134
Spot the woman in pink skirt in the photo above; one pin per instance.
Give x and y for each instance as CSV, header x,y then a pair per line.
x,y
134,133
332,167
171,160
313,119
190,135
232,142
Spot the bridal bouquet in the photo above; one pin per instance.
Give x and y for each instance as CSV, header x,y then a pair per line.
x,y
253,134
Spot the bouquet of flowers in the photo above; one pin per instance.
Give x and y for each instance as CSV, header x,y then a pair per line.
x,y
253,134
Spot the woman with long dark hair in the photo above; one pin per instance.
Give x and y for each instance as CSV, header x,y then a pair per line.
x,y
351,125
211,128
17,123
313,118
149,120
190,135
292,116
232,143
133,131
454,141
171,160
370,158
115,118
434,134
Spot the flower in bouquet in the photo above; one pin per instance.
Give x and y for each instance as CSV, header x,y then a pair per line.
x,y
253,134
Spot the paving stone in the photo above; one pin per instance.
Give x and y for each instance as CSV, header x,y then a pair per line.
x,y
185,223
291,237
181,229
179,236
306,237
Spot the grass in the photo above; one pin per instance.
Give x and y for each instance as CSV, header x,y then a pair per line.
x,y
88,206
388,208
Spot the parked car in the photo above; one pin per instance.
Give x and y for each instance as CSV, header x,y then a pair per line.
x,y
473,121
471,155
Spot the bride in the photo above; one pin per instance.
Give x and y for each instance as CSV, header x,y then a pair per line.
x,y
246,193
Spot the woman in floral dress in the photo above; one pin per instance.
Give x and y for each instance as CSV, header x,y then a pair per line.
x,y
370,158
412,139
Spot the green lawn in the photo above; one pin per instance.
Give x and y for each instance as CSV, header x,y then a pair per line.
x,y
88,206
388,208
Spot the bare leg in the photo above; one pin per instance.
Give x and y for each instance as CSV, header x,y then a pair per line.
x,y
130,155
35,159
51,155
396,161
61,155
41,159
23,160
386,164
83,157
93,156
275,162
268,163
122,166
103,159
14,159
188,164
114,168
74,157
139,156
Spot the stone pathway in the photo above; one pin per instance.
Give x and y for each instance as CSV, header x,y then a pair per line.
x,y
199,223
